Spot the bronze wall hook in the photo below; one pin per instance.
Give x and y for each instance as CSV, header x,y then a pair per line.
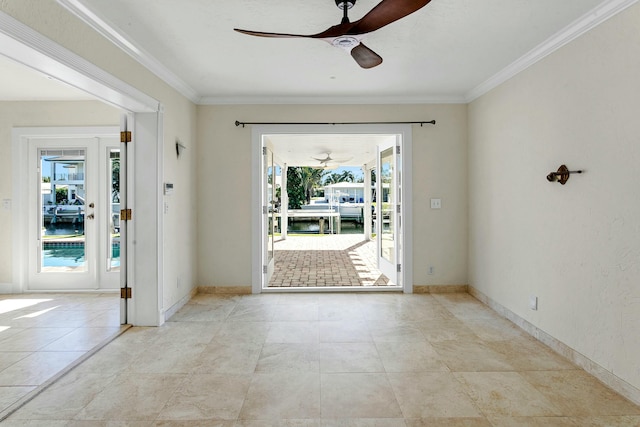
x,y
562,175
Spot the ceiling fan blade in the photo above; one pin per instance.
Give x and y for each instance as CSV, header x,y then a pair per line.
x,y
386,12
365,57
273,35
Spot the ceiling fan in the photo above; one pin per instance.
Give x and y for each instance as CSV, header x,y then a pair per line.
x,y
324,162
347,35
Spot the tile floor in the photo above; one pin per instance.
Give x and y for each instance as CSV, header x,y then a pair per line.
x,y
322,261
325,360
42,334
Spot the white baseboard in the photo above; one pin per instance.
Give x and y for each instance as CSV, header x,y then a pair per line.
x,y
177,306
610,380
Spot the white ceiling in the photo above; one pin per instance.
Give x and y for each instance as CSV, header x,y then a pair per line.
x,y
441,52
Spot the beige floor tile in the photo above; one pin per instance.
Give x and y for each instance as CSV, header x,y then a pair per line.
x,y
449,329
282,396
207,397
251,332
449,422
278,423
66,398
356,395
526,354
506,394
203,313
82,339
228,358
410,357
11,394
349,357
245,311
296,312
293,332
34,339
175,358
8,358
364,422
136,397
577,393
470,356
37,368
340,310
432,395
608,421
532,422
289,358
494,329
193,423
341,331
396,331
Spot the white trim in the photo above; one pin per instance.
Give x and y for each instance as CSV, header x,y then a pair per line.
x,y
28,47
256,196
125,43
320,100
574,30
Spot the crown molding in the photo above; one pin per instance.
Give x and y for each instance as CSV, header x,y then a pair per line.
x,y
574,30
30,48
125,43
329,100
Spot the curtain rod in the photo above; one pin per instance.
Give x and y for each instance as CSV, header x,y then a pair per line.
x,y
432,122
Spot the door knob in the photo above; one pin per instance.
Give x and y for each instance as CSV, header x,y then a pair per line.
x,y
91,205
90,216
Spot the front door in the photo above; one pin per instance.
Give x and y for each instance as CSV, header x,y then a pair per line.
x,y
388,203
73,226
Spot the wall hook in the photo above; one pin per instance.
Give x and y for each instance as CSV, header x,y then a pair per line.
x,y
562,175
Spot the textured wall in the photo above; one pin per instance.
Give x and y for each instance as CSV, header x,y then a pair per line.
x,y
224,193
576,247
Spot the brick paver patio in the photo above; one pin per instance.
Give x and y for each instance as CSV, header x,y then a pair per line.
x,y
330,260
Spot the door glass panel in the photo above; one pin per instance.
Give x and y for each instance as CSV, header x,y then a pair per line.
x,y
387,202
271,190
113,223
62,208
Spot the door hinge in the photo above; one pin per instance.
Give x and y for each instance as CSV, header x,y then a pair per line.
x,y
397,149
265,210
264,151
398,209
399,268
125,293
126,215
125,136
264,269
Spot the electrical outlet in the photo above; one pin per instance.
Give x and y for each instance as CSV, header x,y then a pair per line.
x,y
436,203
431,270
533,302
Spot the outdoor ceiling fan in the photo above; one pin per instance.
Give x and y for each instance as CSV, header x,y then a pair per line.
x,y
329,162
348,35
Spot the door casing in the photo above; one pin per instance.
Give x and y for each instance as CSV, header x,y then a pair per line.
x,y
257,244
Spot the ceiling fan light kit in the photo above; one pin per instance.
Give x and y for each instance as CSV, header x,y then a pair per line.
x,y
347,35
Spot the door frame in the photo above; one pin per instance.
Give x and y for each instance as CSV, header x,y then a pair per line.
x,y
145,169
257,238
22,137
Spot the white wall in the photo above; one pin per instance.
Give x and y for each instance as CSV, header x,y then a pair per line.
x,y
32,114
224,191
179,233
576,247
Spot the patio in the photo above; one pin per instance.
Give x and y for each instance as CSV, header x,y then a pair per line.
x,y
326,261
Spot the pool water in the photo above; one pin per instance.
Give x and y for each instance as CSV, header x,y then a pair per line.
x,y
72,256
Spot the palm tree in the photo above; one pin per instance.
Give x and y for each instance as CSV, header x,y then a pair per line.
x,y
347,176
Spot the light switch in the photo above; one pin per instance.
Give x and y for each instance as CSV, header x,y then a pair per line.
x,y
436,203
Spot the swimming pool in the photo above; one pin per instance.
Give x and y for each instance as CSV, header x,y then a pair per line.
x,y
71,254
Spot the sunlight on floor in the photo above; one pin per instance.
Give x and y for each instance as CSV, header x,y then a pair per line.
x,y
9,305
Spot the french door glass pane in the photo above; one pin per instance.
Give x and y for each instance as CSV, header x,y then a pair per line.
x,y
387,204
63,196
113,224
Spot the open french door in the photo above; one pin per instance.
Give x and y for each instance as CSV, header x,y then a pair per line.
x,y
388,209
268,213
